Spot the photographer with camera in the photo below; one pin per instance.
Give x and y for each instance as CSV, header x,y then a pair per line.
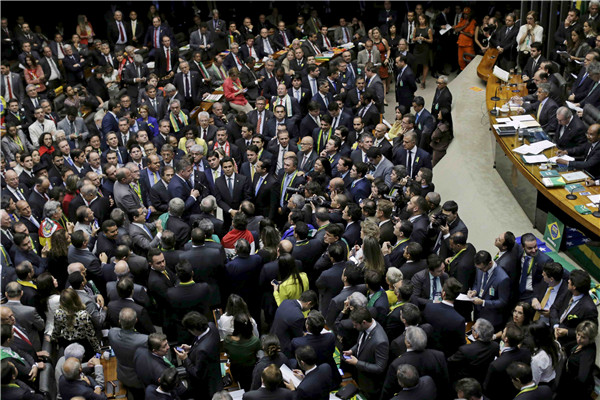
x,y
380,167
444,225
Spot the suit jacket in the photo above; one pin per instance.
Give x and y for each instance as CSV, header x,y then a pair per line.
x,y
448,327
547,116
384,171
126,198
185,298
376,85
495,293
573,135
316,384
159,197
372,361
265,198
507,40
288,324
370,115
583,310
591,158
530,69
130,73
424,390
161,61
196,40
472,360
497,384
352,234
406,86
253,118
360,190
582,85
311,49
181,230
178,187
242,190
16,85
91,262
125,343
441,99
142,240
270,86
69,389
264,394
330,285
140,294
324,346
113,32
163,30
250,81
208,264
463,267
421,159
143,324
149,367
428,362
363,57
29,320
74,74
203,364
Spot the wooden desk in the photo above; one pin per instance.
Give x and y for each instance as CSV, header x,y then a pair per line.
x,y
486,66
532,172
110,377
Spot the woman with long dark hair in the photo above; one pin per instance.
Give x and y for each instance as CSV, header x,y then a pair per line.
x,y
269,240
323,166
545,353
291,283
58,256
34,74
235,307
242,347
49,296
442,135
46,147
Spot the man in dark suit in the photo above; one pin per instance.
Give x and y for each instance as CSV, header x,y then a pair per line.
x,y
551,293
160,279
167,61
289,320
531,263
271,386
134,76
590,152
583,83
125,341
231,189
330,281
189,84
282,37
522,378
448,325
73,383
504,39
413,157
154,35
352,215
260,114
544,108
151,361
317,384
472,360
118,32
533,64
201,359
370,355
201,40
574,309
179,187
442,97
424,123
73,66
159,195
264,188
491,291
406,85
360,187
497,384
125,292
570,131
427,362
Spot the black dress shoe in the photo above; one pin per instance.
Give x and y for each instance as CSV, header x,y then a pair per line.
x,y
418,80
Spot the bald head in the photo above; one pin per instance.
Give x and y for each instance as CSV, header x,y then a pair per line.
x,y
75,267
6,315
121,268
336,184
285,247
71,368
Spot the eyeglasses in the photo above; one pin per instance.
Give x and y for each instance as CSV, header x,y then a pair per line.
x,y
440,83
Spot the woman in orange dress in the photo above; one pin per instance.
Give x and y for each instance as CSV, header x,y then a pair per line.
x,y
385,51
34,74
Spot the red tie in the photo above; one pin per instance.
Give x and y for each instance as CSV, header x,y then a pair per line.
x,y
346,36
259,124
369,55
250,51
121,34
238,60
156,38
221,73
9,86
20,334
168,60
285,42
327,41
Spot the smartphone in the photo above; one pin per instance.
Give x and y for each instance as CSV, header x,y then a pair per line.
x,y
98,355
148,214
346,357
275,282
179,349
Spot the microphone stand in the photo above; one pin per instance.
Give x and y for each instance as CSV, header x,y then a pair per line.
x,y
571,196
597,213
495,99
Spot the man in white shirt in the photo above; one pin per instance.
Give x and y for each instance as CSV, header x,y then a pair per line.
x,y
40,126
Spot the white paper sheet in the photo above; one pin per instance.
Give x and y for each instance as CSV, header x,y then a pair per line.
x,y
535,159
575,176
463,297
595,198
573,107
526,117
288,375
522,149
538,147
503,120
566,158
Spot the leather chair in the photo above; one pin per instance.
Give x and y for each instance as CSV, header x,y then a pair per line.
x,y
562,85
591,115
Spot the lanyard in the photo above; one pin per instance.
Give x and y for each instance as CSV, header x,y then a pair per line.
x,y
320,136
399,243
291,181
529,389
453,258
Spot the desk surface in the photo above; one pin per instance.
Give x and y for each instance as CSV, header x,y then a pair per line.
x,y
532,171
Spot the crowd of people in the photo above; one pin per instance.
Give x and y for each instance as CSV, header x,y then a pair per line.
x,y
284,226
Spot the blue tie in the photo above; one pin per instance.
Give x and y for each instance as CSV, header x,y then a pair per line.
x,y
285,185
260,181
524,274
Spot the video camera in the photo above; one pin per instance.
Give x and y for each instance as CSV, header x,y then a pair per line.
x,y
319,201
298,190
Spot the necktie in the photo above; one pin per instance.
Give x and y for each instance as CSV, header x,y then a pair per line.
x,y
168,59
260,181
593,87
121,33
215,174
169,363
156,44
153,101
203,39
544,302
363,335
434,283
147,231
252,171
9,87
409,163
569,307
539,111
590,151
36,104
524,274
486,276
284,36
259,124
366,158
187,86
22,335
230,185
346,35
